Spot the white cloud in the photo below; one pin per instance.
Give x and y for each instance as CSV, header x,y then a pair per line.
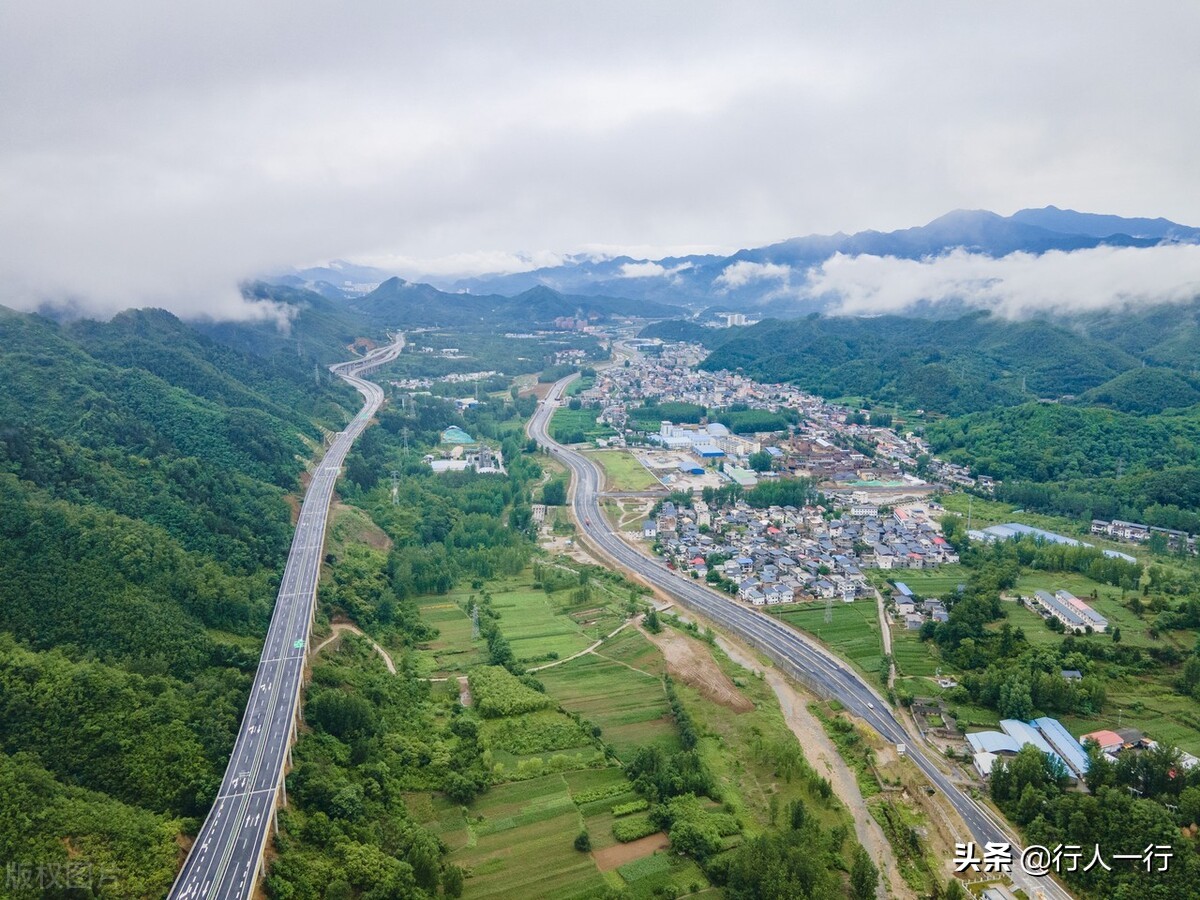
x,y
464,264
1014,286
161,153
643,270
744,272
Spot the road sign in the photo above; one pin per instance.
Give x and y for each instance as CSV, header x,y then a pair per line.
x,y
299,645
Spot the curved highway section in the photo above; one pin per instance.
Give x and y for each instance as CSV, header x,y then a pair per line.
x,y
795,654
224,860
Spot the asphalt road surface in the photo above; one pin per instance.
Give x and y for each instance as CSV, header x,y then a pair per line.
x,y
224,861
795,654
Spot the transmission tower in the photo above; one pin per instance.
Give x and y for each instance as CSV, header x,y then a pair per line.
x,y
474,621
395,488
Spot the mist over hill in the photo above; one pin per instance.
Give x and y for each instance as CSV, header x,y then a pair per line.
x,y
960,260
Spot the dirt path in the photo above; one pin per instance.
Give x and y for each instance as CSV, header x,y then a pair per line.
x,y
464,691
885,631
340,628
591,649
611,857
694,665
823,756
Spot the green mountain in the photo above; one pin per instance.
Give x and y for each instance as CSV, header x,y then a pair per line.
x,y
950,366
405,304
143,522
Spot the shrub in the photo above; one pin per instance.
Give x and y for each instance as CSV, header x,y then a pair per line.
x,y
628,830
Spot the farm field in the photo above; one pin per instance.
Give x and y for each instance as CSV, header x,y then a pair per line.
x,y
627,702
514,824
915,657
452,651
569,422
941,582
623,471
853,634
536,624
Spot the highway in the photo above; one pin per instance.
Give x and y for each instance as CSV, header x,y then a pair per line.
x,y
224,861
794,653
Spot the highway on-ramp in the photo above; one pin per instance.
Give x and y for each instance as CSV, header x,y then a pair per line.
x,y
223,862
794,653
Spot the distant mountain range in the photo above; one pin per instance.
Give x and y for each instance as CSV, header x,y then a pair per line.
x,y
744,280
711,280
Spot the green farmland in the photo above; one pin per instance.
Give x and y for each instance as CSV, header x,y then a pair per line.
x,y
624,699
853,634
573,426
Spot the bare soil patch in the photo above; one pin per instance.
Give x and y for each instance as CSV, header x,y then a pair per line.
x,y
611,857
690,662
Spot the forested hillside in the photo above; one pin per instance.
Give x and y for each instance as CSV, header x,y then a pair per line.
x,y
949,366
143,524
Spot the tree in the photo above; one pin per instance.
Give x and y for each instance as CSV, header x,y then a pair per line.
x,y
760,461
452,881
697,839
583,842
554,493
1116,635
653,625
863,876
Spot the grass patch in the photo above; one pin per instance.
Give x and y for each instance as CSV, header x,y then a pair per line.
x,y
623,471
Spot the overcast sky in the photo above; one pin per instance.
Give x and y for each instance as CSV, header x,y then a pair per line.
x,y
156,153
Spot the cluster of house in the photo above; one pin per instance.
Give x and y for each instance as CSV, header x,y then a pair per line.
x,y
571,355
1137,533
416,384
784,554
824,446
1129,740
1052,738
1075,615
917,611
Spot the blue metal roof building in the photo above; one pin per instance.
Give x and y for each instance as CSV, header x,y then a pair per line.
x,y
1064,744
903,589
1024,733
993,742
